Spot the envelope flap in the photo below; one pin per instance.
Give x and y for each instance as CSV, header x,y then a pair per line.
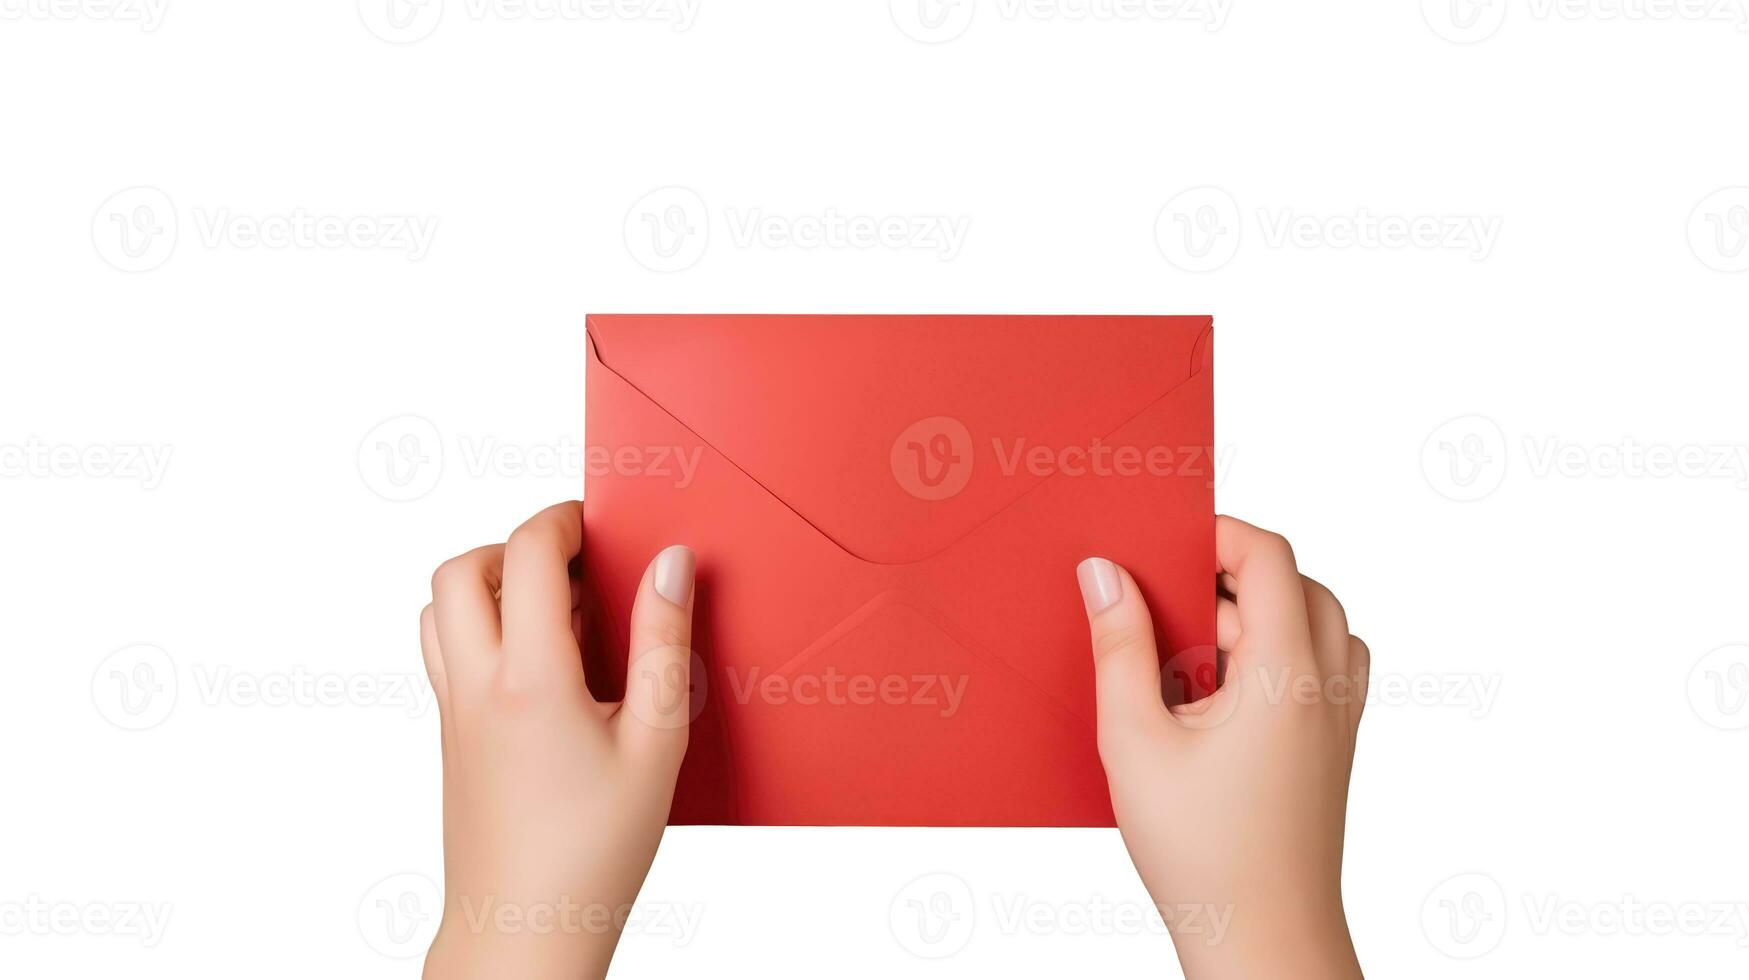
x,y
897,435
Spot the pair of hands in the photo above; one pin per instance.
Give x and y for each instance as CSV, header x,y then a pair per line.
x,y
1233,805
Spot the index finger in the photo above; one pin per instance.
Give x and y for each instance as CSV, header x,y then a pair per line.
x,y
1273,625
538,638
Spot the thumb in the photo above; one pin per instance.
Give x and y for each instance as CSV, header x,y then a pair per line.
x,y
659,702
1125,663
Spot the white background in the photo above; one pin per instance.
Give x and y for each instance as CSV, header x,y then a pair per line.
x,y
1544,582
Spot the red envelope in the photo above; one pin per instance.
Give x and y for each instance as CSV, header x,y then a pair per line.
x,y
887,513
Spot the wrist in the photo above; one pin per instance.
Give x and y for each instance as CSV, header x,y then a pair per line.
x,y
1279,935
475,950
480,958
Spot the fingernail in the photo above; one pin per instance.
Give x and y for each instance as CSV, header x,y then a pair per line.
x,y
1100,586
673,577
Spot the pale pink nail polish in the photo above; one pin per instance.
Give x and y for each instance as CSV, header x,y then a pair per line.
x,y
1100,585
673,575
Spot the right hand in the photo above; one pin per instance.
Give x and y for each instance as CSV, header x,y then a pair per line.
x,y
1233,807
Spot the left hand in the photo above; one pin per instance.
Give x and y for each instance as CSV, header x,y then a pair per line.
x,y
553,802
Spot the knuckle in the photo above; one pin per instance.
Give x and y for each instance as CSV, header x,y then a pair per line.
x,y
527,535
469,691
1320,592
1117,744
1277,548
665,632
1128,639
514,691
546,530
1317,592
448,575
